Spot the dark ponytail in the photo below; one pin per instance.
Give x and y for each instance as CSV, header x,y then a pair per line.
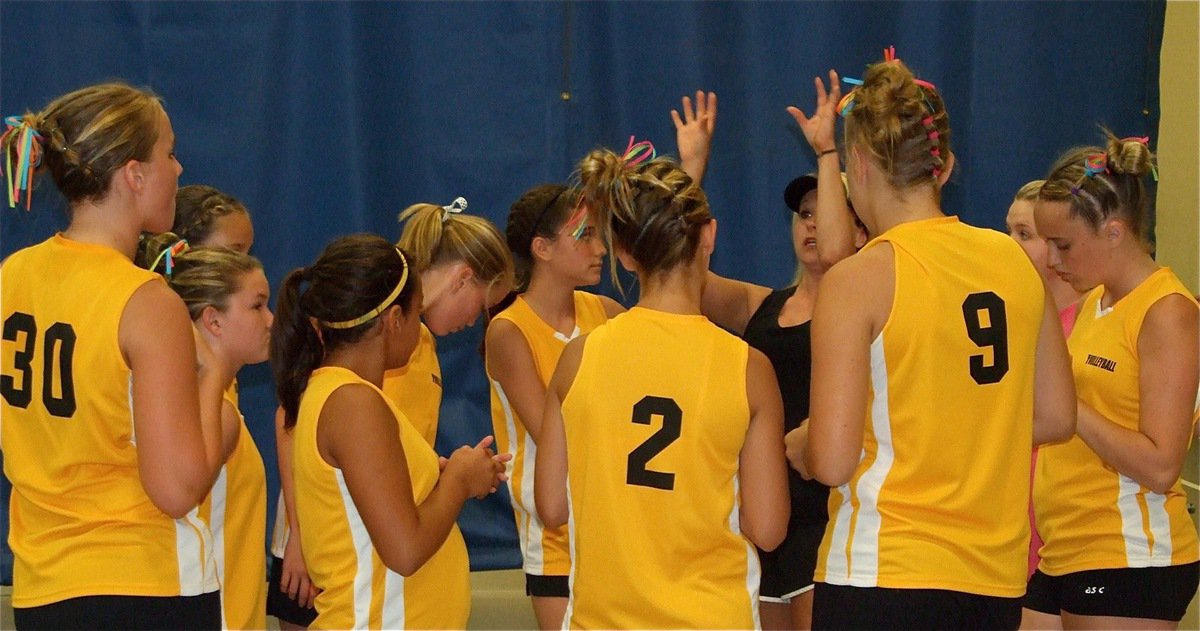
x,y
352,277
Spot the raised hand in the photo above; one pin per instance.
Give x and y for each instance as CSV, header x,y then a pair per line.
x,y
819,128
694,131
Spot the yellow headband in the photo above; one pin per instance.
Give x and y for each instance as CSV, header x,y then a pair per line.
x,y
349,324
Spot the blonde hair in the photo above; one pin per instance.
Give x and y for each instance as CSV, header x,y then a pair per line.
x,y
1029,192
894,119
653,211
203,277
88,134
432,236
1117,191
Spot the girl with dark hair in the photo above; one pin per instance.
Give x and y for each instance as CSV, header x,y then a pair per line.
x,y
376,507
556,250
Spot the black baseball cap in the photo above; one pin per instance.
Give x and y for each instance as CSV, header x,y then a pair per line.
x,y
799,187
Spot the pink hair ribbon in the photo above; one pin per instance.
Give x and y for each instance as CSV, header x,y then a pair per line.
x,y
29,156
637,153
889,54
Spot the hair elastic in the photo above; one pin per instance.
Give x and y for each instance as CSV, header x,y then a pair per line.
x,y
29,155
349,324
457,206
935,149
1093,165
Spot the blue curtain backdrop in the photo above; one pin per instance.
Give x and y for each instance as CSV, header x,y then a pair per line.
x,y
328,118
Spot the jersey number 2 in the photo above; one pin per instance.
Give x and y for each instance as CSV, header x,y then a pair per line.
x,y
636,473
993,335
57,350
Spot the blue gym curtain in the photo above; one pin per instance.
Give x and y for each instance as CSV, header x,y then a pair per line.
x,y
328,118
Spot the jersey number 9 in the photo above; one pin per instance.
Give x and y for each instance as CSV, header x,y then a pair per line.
x,y
993,334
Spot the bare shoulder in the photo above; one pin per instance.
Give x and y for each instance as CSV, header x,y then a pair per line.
x,y
612,308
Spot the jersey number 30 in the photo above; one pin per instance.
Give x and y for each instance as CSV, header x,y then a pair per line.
x,y
636,473
58,347
993,334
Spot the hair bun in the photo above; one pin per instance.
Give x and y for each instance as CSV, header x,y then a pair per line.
x,y
1130,156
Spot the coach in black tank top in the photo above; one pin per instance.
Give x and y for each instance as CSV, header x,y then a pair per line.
x,y
755,312
789,568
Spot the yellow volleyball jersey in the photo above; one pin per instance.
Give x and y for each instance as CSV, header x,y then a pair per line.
x,y
544,550
940,495
236,511
655,422
417,387
80,522
358,591
1089,515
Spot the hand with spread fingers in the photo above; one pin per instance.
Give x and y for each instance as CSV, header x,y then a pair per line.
x,y
694,131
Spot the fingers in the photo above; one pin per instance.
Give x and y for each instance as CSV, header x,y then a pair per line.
x,y
711,111
290,585
675,117
442,462
486,442
835,88
304,598
798,115
689,114
820,86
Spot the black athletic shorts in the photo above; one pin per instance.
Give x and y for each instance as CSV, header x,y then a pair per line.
x,y
1156,593
844,607
278,603
185,613
552,586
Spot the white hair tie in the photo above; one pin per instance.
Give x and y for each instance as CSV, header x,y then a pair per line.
x,y
457,206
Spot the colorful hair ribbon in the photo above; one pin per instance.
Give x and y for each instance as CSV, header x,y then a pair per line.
x,y
1095,163
457,206
169,254
889,54
29,155
577,223
637,153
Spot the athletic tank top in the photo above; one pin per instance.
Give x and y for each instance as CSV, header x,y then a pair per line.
x,y
655,422
544,550
940,496
790,350
358,591
80,522
1089,515
417,387
236,511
